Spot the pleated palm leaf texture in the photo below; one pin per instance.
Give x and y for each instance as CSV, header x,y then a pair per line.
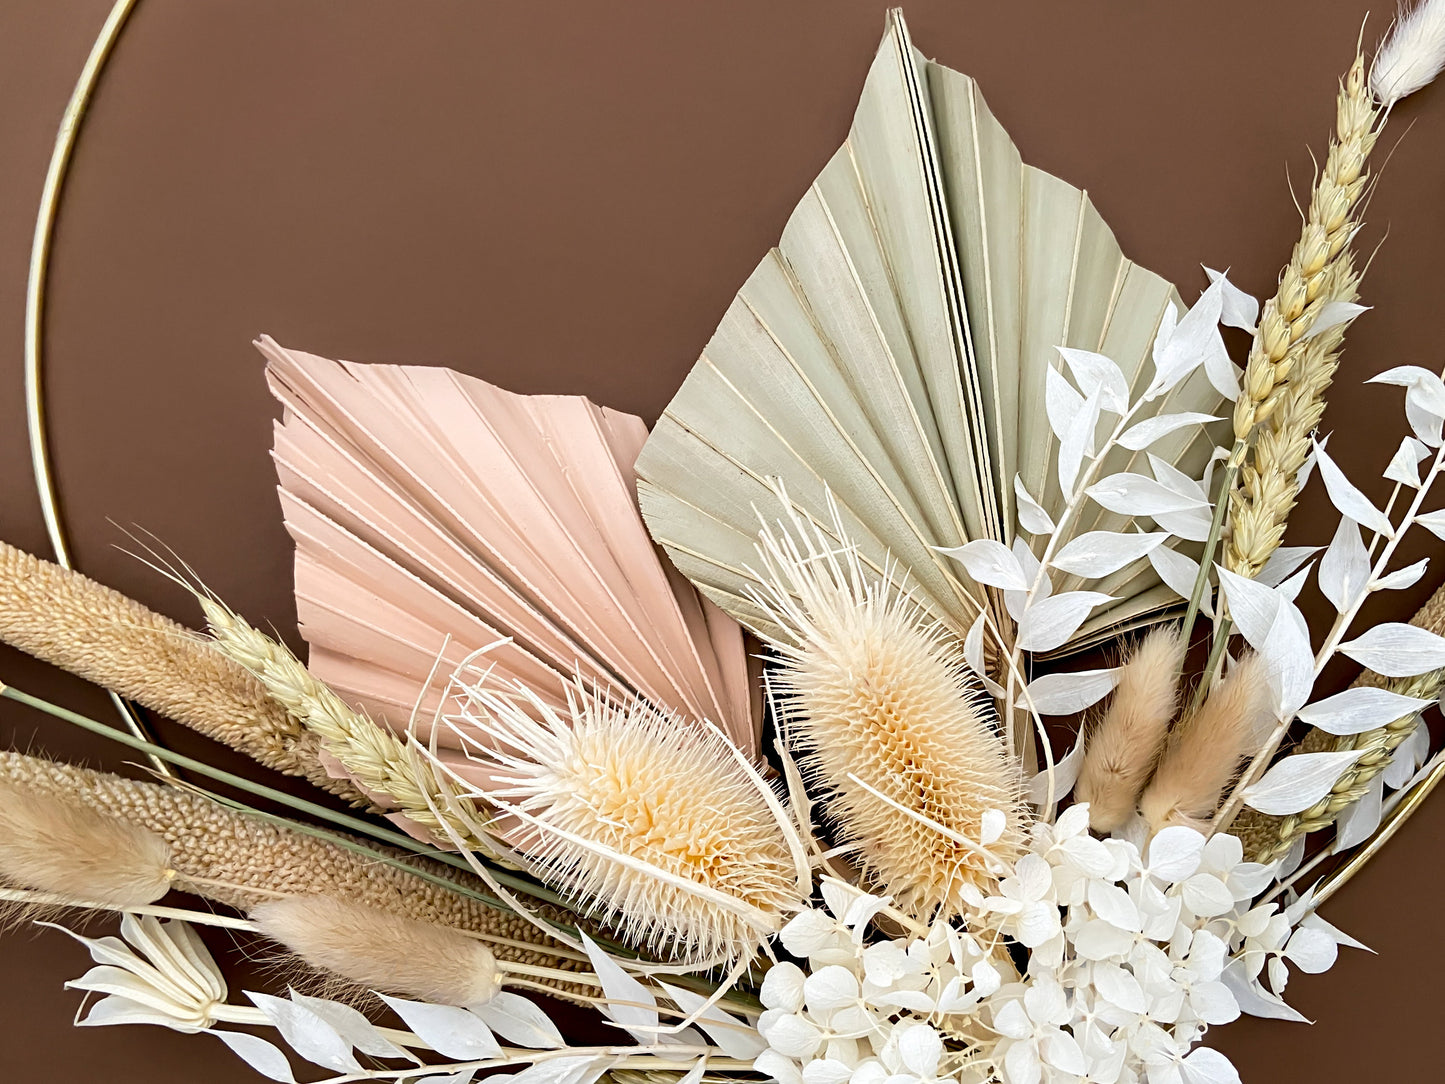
x,y
893,350
435,515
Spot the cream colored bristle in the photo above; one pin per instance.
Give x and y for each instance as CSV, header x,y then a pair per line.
x,y
1204,751
62,847
381,951
876,697
646,820
1122,748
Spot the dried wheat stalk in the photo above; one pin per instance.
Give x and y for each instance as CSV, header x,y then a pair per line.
x,y
241,861
1289,370
70,621
1266,837
376,757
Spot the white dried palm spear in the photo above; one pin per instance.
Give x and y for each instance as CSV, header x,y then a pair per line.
x,y
435,515
893,350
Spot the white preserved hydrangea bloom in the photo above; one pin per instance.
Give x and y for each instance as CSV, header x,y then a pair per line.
x,y
1133,954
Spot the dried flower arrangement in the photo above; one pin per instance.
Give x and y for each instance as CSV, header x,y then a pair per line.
x,y
945,432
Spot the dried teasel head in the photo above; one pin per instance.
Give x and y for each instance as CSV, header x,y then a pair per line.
x,y
70,850
875,695
654,824
382,951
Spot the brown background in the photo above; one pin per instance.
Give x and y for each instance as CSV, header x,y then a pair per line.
x,y
563,197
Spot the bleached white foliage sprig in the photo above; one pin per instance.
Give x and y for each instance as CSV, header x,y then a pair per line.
x,y
1134,954
1100,443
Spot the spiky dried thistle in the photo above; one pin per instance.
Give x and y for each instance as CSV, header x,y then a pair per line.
x,y
1205,749
875,696
1122,748
381,951
655,824
53,844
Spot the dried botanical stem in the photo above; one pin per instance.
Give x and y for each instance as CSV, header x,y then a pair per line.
x,y
1289,369
242,861
378,759
1267,837
71,621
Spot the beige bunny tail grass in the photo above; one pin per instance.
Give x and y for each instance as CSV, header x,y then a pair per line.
x,y
376,757
72,622
50,843
876,697
381,951
1412,54
653,822
1267,837
242,861
1204,751
1291,362
1120,751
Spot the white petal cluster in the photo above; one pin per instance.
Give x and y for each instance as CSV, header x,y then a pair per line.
x,y
1132,954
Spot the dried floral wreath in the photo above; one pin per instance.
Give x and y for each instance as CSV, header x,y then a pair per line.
x,y
944,432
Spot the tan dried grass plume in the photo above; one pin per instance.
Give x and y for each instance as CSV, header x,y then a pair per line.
x,y
381,951
1122,748
655,824
1205,749
99,634
874,694
60,846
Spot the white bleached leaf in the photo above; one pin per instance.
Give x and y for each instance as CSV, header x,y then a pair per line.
x,y
1289,659
1394,649
973,657
1142,434
1345,567
1360,819
1408,755
1066,774
1239,309
1061,402
450,1031
1333,314
461,1076
1175,852
1292,586
264,1057
1282,562
732,1036
1078,441
1402,577
1067,693
1252,605
1405,464
1171,477
1434,522
991,826
1039,584
628,999
1136,495
1049,622
1297,782
1357,710
520,1020
1255,1000
1092,371
990,563
1032,516
352,1026
307,1033
1424,399
582,1069
1205,1065
1179,573
1191,342
1098,553
1348,500
1192,524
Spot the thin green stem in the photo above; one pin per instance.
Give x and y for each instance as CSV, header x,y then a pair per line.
x,y
1216,528
270,794
1216,651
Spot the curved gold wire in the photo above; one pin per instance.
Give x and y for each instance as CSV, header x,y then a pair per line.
x,y
35,310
